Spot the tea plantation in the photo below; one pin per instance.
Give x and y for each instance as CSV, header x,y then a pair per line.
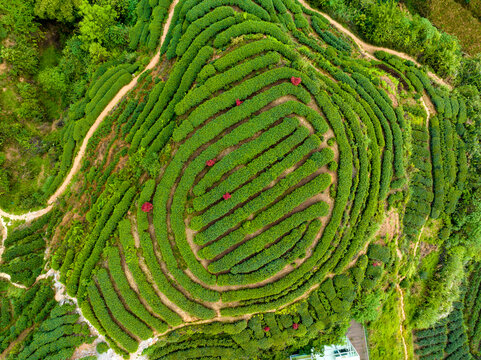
x,y
236,203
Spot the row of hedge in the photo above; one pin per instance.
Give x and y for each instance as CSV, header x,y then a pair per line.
x,y
274,212
167,253
271,253
300,145
112,329
23,258
161,280
204,7
147,30
431,340
438,169
258,243
89,314
253,48
106,83
102,97
57,337
129,295
117,310
146,289
347,103
457,342
196,27
351,104
259,202
243,91
188,78
245,153
30,307
223,80
180,80
86,259
170,175
310,266
261,334
472,302
421,196
266,271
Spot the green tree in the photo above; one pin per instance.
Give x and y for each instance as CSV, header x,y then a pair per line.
x,y
102,347
366,308
124,8
61,10
442,290
94,28
30,107
470,72
53,81
23,57
443,54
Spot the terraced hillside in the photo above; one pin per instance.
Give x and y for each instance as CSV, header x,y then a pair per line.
x,y
232,201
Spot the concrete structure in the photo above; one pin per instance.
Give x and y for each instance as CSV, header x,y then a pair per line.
x,y
343,351
357,336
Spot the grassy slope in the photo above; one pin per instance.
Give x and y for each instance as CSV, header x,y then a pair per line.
x,y
447,15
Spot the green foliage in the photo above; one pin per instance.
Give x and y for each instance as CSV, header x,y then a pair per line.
x,y
385,24
205,6
278,216
101,312
117,310
94,28
57,337
250,27
29,307
129,295
145,287
92,249
443,289
102,347
63,11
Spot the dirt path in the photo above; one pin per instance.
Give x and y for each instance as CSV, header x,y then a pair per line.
x,y
403,318
368,49
390,226
27,216
8,278
365,48
81,153
428,105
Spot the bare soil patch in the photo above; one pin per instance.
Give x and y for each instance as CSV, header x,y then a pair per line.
x,y
392,86
390,227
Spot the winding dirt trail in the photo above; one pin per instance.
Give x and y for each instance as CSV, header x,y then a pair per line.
x,y
365,48
368,49
81,153
7,277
